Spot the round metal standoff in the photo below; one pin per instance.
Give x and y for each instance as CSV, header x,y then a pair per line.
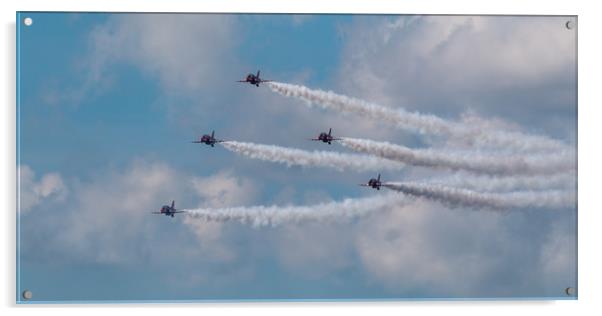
x,y
27,294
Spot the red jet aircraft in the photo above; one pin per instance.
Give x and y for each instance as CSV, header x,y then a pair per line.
x,y
254,79
326,138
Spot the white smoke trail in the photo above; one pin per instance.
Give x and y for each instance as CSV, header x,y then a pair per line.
x,y
562,181
480,136
297,157
456,197
426,124
479,163
258,216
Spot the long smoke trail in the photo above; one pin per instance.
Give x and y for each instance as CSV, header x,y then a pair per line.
x,y
258,216
456,197
297,157
561,181
478,163
480,136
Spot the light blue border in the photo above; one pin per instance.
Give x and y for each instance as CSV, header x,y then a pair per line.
x,y
344,300
18,124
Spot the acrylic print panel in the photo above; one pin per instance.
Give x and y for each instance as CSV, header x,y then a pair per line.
x,y
201,157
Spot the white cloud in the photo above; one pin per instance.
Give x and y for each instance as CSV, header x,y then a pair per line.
x,y
464,52
315,251
397,251
50,187
184,51
107,218
558,255
419,248
224,189
424,247
519,68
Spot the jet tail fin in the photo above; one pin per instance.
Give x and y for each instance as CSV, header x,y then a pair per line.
x,y
378,177
212,133
329,131
173,204
257,74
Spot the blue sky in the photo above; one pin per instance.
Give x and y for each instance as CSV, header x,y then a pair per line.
x,y
109,103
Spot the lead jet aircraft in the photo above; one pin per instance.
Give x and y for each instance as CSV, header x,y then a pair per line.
x,y
373,183
254,79
208,139
326,138
169,210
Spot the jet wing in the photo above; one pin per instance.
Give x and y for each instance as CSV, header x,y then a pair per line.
x,y
178,212
156,213
364,185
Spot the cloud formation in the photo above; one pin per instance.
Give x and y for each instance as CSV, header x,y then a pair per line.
x,y
424,249
108,219
517,68
33,191
182,51
224,189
